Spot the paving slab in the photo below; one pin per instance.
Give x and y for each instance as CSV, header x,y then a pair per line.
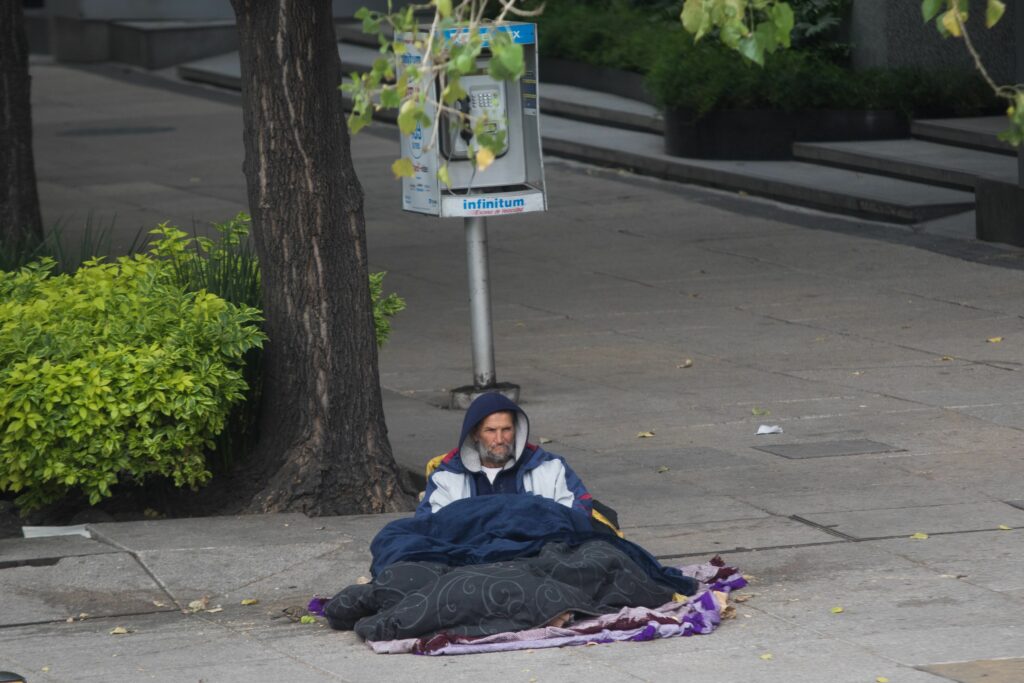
x,y
159,647
15,551
190,574
927,519
993,560
802,660
828,449
98,585
215,532
981,670
908,491
683,542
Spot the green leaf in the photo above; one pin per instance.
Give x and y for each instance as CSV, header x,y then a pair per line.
x,y
994,12
506,62
950,24
782,17
929,8
408,114
693,17
403,168
442,175
453,92
444,8
391,97
752,49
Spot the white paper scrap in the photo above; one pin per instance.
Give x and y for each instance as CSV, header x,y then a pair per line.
x,y
769,429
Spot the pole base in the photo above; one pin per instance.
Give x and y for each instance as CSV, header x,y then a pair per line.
x,y
463,396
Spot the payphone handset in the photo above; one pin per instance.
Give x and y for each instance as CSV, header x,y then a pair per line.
x,y
486,105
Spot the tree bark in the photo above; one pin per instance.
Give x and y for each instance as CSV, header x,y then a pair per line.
x,y
21,225
323,446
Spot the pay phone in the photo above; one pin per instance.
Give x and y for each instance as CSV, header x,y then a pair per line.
x,y
505,111
486,105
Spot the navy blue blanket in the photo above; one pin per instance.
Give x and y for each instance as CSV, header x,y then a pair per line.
x,y
495,528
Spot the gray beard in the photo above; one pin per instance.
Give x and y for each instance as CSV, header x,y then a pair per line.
x,y
491,459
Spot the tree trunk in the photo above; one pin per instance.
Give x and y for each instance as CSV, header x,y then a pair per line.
x,y
20,223
323,446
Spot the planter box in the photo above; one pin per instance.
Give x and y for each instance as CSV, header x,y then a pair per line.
x,y
999,213
760,134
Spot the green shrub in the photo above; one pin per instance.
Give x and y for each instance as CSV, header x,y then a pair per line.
x,y
229,268
112,373
708,76
609,33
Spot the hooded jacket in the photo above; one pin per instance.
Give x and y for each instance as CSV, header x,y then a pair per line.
x,y
531,469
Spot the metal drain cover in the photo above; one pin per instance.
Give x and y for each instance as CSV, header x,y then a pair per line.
x,y
828,449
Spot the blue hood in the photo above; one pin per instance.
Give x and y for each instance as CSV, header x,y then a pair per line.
x,y
484,405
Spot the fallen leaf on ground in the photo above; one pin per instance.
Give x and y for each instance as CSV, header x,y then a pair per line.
x,y
644,435
994,340
688,363
759,412
881,679
947,358
200,604
45,669
837,610
159,603
216,609
308,619
766,656
1003,527
70,620
250,601
662,470
742,598
920,536
543,440
119,631
363,580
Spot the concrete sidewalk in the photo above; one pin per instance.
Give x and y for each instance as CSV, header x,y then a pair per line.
x,y
866,342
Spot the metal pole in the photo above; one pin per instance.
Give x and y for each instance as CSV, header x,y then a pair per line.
x,y
479,302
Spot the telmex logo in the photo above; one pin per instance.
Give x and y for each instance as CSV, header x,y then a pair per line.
x,y
462,35
492,203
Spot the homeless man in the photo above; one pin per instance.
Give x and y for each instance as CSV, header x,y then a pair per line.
x,y
493,456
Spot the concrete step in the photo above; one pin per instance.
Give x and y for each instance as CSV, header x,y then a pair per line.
x,y
829,189
977,132
160,44
560,100
821,187
918,160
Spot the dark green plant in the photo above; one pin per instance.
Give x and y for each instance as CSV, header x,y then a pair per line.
x,y
707,76
94,240
226,266
113,373
610,33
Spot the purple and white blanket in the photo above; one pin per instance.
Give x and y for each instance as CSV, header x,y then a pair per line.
x,y
699,614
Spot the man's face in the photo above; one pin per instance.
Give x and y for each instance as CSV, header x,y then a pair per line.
x,y
496,438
